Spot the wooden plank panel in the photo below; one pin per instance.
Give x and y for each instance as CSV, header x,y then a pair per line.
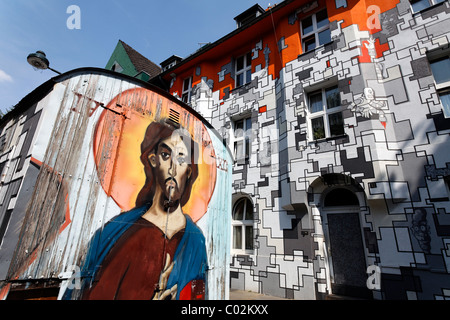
x,y
91,172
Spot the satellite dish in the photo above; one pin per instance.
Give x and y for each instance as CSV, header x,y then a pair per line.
x,y
38,60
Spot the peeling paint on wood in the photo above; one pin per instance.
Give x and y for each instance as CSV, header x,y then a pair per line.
x,y
87,150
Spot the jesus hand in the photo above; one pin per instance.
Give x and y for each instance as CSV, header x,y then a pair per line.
x,y
163,293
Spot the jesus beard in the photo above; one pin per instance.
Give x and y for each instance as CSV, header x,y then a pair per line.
x,y
172,194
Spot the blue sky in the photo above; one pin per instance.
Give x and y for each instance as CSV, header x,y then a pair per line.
x,y
157,29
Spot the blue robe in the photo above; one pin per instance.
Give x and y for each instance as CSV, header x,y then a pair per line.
x,y
190,259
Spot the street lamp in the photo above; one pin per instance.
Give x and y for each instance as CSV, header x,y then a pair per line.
x,y
39,61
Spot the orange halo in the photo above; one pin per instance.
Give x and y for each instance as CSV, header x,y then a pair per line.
x,y
116,148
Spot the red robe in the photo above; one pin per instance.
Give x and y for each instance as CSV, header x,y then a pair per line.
x,y
132,268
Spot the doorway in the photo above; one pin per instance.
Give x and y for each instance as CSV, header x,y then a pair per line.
x,y
346,245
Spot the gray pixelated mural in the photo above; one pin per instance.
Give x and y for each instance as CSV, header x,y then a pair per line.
x,y
383,178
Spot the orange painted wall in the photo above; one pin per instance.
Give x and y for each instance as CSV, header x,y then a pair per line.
x,y
356,12
271,31
277,60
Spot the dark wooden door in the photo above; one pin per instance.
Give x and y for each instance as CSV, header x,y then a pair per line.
x,y
347,254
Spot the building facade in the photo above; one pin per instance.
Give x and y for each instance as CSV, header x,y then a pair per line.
x,y
85,159
336,112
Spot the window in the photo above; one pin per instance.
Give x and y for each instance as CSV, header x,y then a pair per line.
x,y
187,90
447,183
440,68
116,67
325,113
418,5
243,69
242,133
315,31
445,101
243,225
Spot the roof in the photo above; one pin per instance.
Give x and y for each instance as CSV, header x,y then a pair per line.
x,y
173,57
240,35
140,62
250,13
169,60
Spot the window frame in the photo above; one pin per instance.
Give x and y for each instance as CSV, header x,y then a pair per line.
x,y
429,2
315,31
447,184
324,113
245,138
186,93
245,71
116,67
442,87
445,111
243,225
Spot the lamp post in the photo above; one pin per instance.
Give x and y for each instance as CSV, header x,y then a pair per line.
x,y
39,61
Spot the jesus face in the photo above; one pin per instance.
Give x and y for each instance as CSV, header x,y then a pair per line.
x,y
171,167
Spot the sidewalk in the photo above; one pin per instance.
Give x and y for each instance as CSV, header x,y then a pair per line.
x,y
247,295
